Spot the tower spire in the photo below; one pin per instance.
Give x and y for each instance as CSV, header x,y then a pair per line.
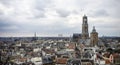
x,y
94,30
85,34
35,34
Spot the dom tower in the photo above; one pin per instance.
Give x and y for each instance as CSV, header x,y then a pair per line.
x,y
85,34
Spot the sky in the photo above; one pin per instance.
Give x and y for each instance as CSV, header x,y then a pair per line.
x,y
53,17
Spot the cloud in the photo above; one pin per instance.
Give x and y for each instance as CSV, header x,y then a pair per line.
x,y
99,13
58,16
5,26
63,13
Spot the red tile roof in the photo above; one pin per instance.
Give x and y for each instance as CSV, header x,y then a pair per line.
x,y
61,60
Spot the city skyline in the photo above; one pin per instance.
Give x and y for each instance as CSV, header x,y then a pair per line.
x,y
53,17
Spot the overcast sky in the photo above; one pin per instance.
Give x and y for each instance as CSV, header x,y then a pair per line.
x,y
53,17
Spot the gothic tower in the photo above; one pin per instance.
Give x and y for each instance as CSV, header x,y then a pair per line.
x,y
85,34
93,37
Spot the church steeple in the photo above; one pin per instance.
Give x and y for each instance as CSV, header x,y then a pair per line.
x,y
85,34
35,37
94,30
35,34
94,37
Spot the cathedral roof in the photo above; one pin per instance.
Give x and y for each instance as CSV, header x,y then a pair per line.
x,y
94,30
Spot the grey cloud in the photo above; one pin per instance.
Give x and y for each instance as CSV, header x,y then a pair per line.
x,y
99,13
56,27
38,14
63,13
39,8
60,27
106,8
40,5
6,25
1,13
6,2
112,3
112,7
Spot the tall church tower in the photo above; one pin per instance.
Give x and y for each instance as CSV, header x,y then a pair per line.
x,y
93,37
85,34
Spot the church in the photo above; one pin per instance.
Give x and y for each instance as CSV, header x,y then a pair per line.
x,y
84,38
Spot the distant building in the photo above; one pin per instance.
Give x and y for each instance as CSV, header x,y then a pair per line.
x,y
85,34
